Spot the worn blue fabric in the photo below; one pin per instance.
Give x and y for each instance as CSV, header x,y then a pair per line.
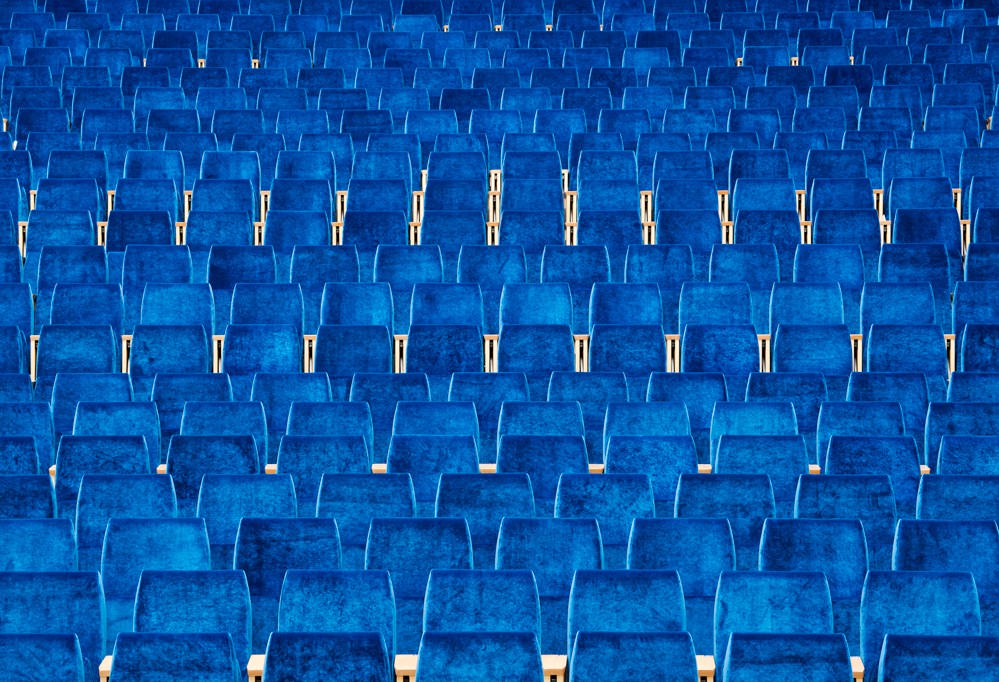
x,y
19,455
857,418
488,391
120,419
544,459
621,656
191,457
752,419
483,501
382,392
915,603
252,348
970,418
426,457
438,350
593,391
909,390
951,497
70,388
759,656
906,658
894,456
226,418
312,657
195,601
26,497
537,351
661,458
355,499
99,455
770,601
44,657
514,656
635,350
307,458
782,458
277,391
160,656
667,544
746,500
482,601
805,390
326,601
699,392
38,545
554,549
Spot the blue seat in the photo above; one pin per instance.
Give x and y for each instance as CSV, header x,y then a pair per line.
x,y
220,602
189,458
170,391
897,458
544,458
307,656
442,654
782,458
211,656
746,500
892,348
488,391
118,419
749,655
252,348
78,455
132,546
426,458
46,656
904,657
592,657
887,605
907,389
39,545
311,267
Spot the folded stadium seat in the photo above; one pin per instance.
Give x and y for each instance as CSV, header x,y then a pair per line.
x,y
331,419
311,267
152,195
896,303
132,546
87,304
21,592
426,457
839,195
918,193
316,79
740,593
136,227
304,457
226,123
580,267
531,230
908,389
456,181
537,351
905,263
18,309
825,349
210,100
905,655
739,266
700,392
382,392
353,303
39,545
29,121
478,654
867,498
69,388
178,304
958,453
61,264
73,349
225,418
106,496
636,350
960,419
47,656
980,262
764,122
886,607
744,499
803,303
798,145
252,348
150,97
451,230
721,145
395,142
285,230
784,458
278,391
540,419
668,266
977,349
190,457
366,230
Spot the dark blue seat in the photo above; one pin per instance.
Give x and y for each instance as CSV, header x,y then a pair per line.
x,y
301,657
211,657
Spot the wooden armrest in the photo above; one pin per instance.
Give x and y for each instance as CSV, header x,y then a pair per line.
x,y
706,668
704,468
487,467
105,669
858,668
379,468
405,667
814,469
554,666
161,468
924,470
255,668
597,468
52,472
270,468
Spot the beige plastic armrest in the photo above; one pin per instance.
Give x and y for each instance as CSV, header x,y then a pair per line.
x,y
52,472
105,669
255,668
161,468
858,668
706,668
814,469
270,468
924,470
405,667
554,666
487,467
704,468
379,468
597,468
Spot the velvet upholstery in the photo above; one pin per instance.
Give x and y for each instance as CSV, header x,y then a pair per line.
x,y
307,458
699,550
488,391
770,602
491,268
620,656
69,388
752,419
382,392
909,390
661,458
44,657
191,457
342,350
746,500
19,455
915,657
312,267
761,656
731,350
952,497
614,500
134,545
439,350
312,657
224,500
160,656
446,656
544,458
482,601
159,304
229,418
355,499
277,391
915,603
580,267
714,303
402,267
554,549
196,601
699,392
836,547
120,419
533,304
103,497
446,304
782,458
894,456
667,265
326,601
425,458
857,418
537,351
977,352
971,419
868,499
636,350
593,391
625,601
252,348
352,303
972,386
564,418
438,418
26,497
806,391
331,419
896,303
409,549
38,545
483,502
926,545
814,348
95,454
912,348
56,603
